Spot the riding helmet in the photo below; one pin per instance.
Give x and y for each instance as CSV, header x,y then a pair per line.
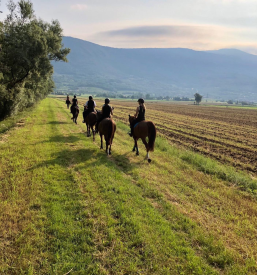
x,y
140,100
107,101
74,96
90,97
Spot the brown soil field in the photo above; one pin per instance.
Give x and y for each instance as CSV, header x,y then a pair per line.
x,y
226,134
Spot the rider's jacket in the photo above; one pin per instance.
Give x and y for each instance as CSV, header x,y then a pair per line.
x,y
106,110
91,105
141,114
74,101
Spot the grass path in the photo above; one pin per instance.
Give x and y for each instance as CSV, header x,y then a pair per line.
x,y
66,206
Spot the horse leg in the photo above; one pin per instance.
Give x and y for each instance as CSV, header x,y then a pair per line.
x,y
135,146
101,141
147,150
110,149
107,149
87,131
93,133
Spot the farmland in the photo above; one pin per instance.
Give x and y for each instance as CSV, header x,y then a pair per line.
x,y
67,207
226,134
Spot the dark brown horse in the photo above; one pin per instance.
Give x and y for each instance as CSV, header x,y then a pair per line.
x,y
90,121
75,113
143,130
107,128
68,104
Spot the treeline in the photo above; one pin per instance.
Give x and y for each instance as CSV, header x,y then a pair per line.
x,y
28,45
145,96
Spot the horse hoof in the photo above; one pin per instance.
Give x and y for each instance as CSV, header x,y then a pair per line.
x,y
110,153
133,150
137,153
149,160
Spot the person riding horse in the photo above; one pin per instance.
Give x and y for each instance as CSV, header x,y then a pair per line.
x,y
140,115
68,102
105,113
89,107
74,104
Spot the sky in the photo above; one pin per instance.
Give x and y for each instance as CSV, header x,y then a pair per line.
x,y
194,24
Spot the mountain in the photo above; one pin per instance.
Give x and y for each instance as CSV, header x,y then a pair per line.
x,y
224,74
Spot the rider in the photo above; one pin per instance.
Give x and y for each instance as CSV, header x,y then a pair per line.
x,y
140,115
68,101
106,112
89,107
74,103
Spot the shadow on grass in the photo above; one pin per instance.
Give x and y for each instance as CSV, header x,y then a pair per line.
x,y
67,158
62,139
57,122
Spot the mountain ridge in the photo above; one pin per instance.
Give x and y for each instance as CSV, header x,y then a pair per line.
x,y
225,73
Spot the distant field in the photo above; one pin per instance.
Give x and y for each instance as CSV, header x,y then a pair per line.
x,y
66,207
226,134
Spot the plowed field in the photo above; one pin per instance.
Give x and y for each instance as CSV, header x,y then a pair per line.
x,y
226,134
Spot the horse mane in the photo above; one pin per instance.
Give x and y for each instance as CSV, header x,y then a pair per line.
x,y
131,118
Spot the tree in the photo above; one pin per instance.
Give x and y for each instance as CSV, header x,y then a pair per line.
x,y
198,98
28,45
147,96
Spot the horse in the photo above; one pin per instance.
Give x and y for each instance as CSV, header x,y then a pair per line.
x,y
90,121
75,113
143,130
68,104
107,128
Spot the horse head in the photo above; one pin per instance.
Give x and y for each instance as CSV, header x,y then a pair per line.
x,y
98,114
131,118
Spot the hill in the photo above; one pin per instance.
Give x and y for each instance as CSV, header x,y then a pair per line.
x,y
224,74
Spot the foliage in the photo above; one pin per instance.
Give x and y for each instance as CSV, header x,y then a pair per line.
x,y
28,45
230,101
198,98
178,98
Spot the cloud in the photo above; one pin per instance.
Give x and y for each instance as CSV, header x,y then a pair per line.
x,y
198,37
79,7
159,31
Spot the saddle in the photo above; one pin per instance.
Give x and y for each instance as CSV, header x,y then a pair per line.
x,y
136,124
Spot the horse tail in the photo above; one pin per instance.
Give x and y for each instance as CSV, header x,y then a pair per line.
x,y
151,135
111,131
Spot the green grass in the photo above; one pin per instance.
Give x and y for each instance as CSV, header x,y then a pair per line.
x,y
12,121
66,206
209,166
